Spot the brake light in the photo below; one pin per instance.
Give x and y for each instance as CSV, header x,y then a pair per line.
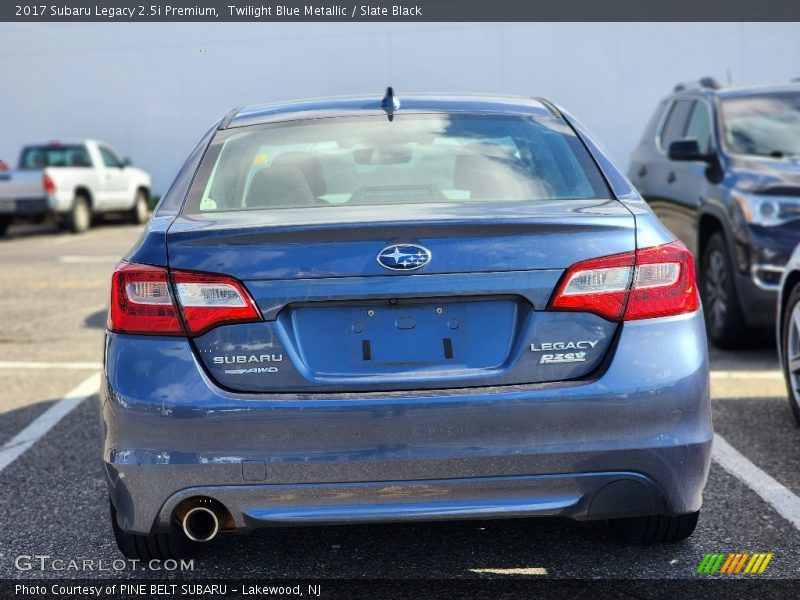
x,y
651,282
143,302
48,184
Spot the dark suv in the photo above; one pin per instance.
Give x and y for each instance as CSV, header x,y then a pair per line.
x,y
721,168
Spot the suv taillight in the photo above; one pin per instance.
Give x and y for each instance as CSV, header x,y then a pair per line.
x,y
651,282
143,301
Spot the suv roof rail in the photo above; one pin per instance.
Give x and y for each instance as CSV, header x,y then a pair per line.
x,y
704,82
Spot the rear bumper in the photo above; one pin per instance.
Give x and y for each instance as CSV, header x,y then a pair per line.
x,y
635,440
24,208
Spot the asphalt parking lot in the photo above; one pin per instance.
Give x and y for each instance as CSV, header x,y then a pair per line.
x,y
53,299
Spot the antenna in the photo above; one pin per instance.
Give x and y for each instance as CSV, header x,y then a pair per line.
x,y
390,103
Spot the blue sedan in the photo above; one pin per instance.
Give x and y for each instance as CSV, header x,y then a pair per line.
x,y
402,309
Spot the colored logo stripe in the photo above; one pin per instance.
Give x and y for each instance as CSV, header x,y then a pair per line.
x,y
758,563
711,563
734,562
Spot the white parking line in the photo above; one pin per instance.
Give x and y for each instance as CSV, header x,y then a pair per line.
x,y
748,375
14,364
783,500
26,438
84,259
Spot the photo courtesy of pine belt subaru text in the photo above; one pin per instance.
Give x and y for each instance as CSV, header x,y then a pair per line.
x,y
721,169
398,308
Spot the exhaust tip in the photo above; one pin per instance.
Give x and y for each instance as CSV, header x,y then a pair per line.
x,y
200,524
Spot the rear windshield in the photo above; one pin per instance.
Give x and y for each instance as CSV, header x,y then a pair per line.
x,y
39,157
412,159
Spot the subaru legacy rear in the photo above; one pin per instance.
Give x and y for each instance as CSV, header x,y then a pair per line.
x,y
394,308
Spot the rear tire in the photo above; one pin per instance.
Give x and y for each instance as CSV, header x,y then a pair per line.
x,y
4,224
724,318
654,529
156,546
790,348
141,208
79,218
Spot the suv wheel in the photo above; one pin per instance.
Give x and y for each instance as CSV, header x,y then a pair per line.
x,y
790,338
724,318
654,529
156,546
79,218
140,208
4,223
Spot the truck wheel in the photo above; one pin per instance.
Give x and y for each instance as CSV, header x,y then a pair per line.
x,y
157,546
140,210
4,223
654,529
724,319
79,218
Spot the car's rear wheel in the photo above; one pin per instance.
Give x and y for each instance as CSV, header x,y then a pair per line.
x,y
79,218
724,319
140,209
791,349
654,529
4,223
156,546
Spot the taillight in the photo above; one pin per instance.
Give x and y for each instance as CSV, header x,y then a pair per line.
x,y
48,185
142,301
651,282
664,283
208,300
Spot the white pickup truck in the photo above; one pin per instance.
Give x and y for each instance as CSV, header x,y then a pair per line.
x,y
72,181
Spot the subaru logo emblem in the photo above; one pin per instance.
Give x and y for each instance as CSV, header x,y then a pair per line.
x,y
404,257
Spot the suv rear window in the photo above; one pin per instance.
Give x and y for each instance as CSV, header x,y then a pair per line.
x,y
416,158
40,157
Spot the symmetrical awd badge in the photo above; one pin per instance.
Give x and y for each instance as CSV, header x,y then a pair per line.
x,y
404,257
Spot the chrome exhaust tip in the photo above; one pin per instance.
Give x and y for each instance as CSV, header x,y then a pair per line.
x,y
200,524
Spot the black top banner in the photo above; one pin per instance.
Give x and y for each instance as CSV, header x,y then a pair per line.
x,y
398,10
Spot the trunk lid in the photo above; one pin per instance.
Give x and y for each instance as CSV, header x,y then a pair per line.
x,y
337,320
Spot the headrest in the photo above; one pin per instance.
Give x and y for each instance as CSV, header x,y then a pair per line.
x,y
308,164
279,187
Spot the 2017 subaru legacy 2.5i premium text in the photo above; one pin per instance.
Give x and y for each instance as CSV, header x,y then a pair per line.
x,y
390,309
